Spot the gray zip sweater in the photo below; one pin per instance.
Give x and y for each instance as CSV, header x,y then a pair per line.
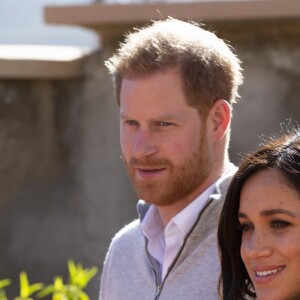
x,y
129,272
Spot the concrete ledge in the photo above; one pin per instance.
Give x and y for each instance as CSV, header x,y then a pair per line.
x,y
101,16
41,62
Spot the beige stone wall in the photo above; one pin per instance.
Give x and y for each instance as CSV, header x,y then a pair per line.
x,y
270,51
64,191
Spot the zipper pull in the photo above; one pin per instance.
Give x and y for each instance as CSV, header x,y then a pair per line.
x,y
157,293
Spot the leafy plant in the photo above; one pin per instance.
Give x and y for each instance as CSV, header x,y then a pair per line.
x,y
72,290
27,290
78,280
79,276
58,290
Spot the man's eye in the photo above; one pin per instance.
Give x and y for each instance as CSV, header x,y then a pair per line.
x,y
245,227
280,224
132,122
163,123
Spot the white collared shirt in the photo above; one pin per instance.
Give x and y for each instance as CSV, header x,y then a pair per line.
x,y
164,243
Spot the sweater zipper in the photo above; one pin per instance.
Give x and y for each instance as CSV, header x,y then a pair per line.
x,y
157,293
159,287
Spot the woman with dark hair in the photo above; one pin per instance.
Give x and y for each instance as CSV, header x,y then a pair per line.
x,y
259,228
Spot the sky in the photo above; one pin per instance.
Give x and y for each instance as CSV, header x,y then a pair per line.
x,y
21,22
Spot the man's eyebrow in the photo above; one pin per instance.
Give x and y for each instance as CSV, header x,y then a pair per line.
x,y
123,116
159,117
169,116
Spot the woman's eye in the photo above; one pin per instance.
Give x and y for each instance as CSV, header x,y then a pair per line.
x,y
244,227
280,224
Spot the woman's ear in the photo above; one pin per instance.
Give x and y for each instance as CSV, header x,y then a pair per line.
x,y
220,118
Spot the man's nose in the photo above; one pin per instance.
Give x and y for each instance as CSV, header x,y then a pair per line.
x,y
144,144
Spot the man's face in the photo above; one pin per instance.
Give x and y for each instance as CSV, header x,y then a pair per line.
x,y
164,141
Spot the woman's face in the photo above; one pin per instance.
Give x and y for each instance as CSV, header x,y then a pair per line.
x,y
269,216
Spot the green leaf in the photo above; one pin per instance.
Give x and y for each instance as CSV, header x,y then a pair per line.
x,y
4,283
48,290
59,296
72,268
59,284
35,288
84,296
24,285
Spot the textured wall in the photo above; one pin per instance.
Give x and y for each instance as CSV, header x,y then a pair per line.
x,y
270,52
63,188
64,191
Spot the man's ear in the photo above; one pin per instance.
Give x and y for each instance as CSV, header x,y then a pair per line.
x,y
219,118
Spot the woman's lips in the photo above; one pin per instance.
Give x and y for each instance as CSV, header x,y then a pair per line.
x,y
264,275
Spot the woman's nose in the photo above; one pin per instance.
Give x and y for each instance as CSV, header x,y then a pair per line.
x,y
258,245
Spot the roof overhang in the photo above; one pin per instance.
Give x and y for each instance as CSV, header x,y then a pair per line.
x,y
114,19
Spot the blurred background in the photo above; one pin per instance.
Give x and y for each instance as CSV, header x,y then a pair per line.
x,y
63,189
22,22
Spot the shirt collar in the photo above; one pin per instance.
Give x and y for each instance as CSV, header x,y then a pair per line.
x,y
187,217
151,224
